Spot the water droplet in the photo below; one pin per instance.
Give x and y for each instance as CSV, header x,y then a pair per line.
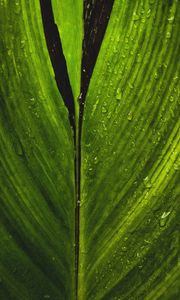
x,y
22,44
147,182
124,248
17,8
104,110
104,127
164,218
171,99
9,52
168,35
80,97
96,160
130,85
147,242
118,94
171,19
156,75
115,50
123,55
87,145
135,17
148,13
130,116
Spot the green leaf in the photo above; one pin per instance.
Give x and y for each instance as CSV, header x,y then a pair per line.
x,y
69,19
129,210
129,226
37,199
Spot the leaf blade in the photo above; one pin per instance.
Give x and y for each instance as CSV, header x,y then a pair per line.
x,y
37,164
69,19
130,131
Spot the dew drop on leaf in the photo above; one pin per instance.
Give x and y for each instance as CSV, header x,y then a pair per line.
x,y
171,99
46,296
135,17
87,145
164,218
118,94
17,8
147,182
143,20
9,52
124,248
142,11
171,19
22,44
104,110
130,116
96,160
148,13
168,35
130,85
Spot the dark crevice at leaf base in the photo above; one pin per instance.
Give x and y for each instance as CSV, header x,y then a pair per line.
x,y
57,58
96,17
62,79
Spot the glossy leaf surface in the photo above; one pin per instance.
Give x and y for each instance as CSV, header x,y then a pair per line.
x,y
37,169
129,211
129,237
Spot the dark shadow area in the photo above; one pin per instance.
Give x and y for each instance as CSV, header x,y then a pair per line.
x,y
57,58
96,17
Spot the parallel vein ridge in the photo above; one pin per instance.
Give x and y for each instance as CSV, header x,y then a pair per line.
x,y
129,241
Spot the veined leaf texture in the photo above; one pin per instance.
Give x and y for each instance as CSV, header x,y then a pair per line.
x,y
89,151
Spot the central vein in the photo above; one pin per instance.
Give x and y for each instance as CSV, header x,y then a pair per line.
x,y
96,16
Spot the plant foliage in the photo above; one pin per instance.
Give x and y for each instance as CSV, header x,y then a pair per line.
x,y
128,223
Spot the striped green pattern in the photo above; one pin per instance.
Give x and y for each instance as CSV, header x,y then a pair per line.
x,y
129,230
129,210
36,164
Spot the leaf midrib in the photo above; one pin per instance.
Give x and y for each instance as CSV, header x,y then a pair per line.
x,y
58,61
